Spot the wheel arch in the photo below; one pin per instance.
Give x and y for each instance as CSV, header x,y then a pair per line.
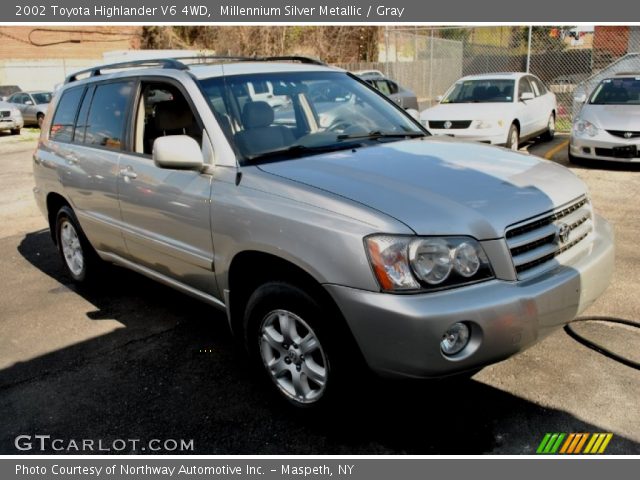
x,y
55,202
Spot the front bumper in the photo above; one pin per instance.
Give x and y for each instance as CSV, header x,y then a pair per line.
x,y
399,335
601,147
11,123
493,137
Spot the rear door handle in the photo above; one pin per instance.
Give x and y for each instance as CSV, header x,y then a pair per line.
x,y
128,174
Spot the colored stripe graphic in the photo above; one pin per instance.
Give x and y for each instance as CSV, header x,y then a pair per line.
x,y
574,443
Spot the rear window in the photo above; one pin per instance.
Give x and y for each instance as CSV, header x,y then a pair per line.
x,y
65,116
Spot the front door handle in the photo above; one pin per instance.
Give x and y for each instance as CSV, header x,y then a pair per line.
x,y
128,174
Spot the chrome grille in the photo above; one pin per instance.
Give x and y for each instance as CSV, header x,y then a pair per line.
x,y
535,242
5,114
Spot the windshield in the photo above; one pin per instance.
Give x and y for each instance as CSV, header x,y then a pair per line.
x,y
288,114
617,91
480,91
41,97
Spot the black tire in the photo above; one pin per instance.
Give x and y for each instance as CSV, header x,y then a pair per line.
x,y
15,131
551,129
67,221
325,324
40,120
511,140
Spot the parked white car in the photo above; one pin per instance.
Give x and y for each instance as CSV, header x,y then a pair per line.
x,y
608,126
496,108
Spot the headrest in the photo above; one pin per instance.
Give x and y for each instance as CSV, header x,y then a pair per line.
x,y
257,115
172,115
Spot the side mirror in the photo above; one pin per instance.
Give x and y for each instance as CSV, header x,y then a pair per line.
x,y
414,113
439,98
28,102
527,96
179,152
580,98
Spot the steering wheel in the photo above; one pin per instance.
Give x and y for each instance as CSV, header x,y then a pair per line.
x,y
339,125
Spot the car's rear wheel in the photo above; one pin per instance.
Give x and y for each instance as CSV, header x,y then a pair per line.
x,y
78,256
513,138
294,340
551,129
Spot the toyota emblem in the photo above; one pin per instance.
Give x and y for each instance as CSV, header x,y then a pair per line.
x,y
447,124
563,233
628,134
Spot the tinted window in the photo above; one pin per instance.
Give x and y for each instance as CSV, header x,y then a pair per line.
x,y
490,90
617,91
65,116
393,87
107,115
81,122
42,97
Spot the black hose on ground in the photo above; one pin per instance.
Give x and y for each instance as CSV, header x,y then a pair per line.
x,y
599,348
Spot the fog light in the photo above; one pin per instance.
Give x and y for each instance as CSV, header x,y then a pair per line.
x,y
455,338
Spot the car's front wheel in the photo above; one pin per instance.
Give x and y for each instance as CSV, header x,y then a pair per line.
x,y
40,119
513,138
293,340
15,131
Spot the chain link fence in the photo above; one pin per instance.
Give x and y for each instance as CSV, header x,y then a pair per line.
x,y
569,60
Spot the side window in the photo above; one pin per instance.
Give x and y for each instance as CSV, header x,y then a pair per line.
x,y
163,110
383,86
393,87
524,86
65,116
107,115
539,85
536,88
81,122
17,98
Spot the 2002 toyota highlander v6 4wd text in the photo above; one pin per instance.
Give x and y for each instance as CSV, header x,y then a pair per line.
x,y
330,228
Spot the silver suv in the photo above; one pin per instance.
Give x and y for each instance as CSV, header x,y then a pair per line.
x,y
331,228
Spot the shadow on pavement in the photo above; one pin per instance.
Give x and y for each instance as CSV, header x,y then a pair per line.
x,y
141,383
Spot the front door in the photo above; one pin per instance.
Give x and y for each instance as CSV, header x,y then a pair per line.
x,y
166,213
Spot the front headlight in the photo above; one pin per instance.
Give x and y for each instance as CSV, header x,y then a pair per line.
x,y
15,112
484,124
403,263
583,127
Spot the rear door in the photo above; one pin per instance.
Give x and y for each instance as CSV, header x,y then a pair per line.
x,y
166,213
88,129
546,102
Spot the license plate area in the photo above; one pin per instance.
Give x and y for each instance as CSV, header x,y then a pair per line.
x,y
628,151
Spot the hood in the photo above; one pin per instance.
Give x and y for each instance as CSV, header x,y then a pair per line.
x,y
440,186
466,111
613,117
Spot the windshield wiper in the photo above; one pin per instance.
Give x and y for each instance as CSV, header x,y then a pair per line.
x,y
378,134
300,150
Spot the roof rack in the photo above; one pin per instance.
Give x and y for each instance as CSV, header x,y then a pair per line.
x,y
176,63
95,71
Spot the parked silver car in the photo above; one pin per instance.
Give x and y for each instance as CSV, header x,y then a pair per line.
x,y
32,105
608,125
396,92
329,244
10,118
